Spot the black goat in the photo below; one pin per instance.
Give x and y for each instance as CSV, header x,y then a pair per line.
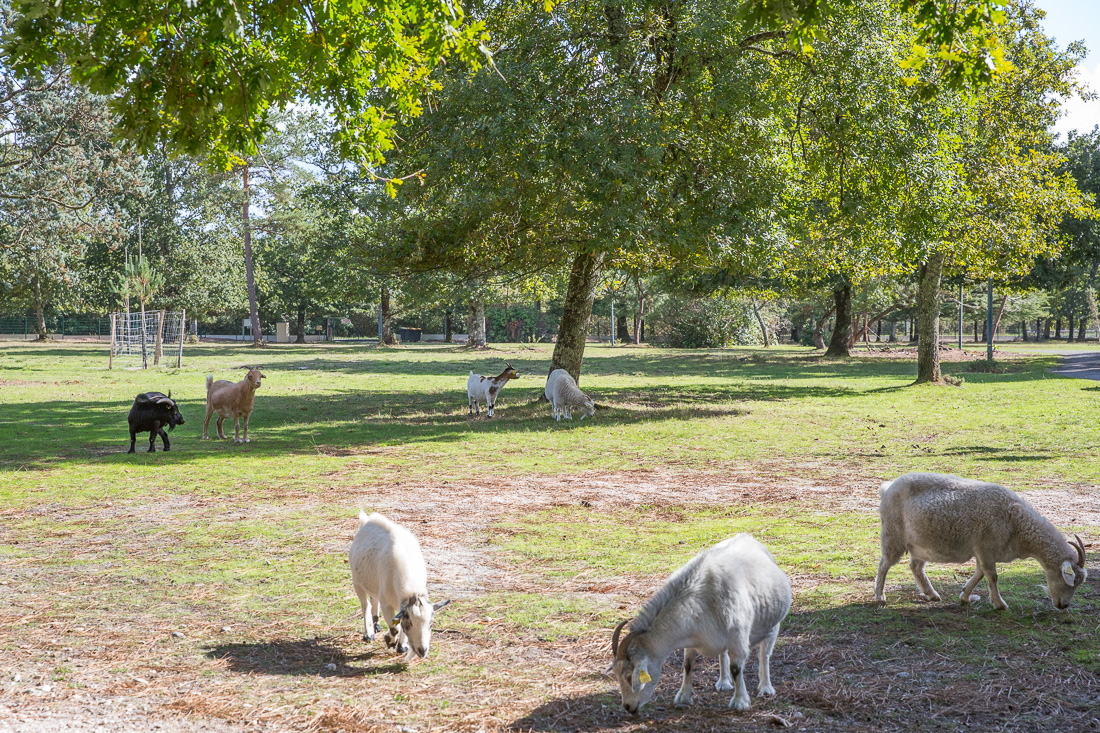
x,y
152,411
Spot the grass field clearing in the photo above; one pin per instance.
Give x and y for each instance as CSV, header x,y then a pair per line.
x,y
207,586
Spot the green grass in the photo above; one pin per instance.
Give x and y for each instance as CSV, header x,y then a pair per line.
x,y
241,548
402,412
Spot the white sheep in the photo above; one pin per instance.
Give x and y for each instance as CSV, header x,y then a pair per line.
x,y
936,517
480,388
232,399
564,394
388,572
727,600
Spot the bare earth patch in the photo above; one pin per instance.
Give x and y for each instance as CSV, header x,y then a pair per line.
x,y
71,659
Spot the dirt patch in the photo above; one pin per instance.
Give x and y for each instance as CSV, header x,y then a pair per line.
x,y
86,662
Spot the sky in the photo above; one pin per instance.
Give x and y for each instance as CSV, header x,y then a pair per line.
x,y
1077,20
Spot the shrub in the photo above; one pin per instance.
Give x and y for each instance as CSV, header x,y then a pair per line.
x,y
695,323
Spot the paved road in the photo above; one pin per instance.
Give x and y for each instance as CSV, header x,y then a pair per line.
x,y
1080,364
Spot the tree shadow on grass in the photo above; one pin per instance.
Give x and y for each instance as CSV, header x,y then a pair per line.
x,y
46,432
304,657
993,453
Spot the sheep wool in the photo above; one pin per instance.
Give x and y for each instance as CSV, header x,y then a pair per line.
x,y
564,395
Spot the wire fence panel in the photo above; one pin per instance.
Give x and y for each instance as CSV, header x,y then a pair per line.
x,y
148,338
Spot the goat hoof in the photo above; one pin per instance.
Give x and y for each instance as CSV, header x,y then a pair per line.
x,y
740,703
723,686
368,639
130,451
682,702
402,649
970,599
766,691
928,598
377,628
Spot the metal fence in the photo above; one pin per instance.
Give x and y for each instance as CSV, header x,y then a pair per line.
x,y
137,336
25,325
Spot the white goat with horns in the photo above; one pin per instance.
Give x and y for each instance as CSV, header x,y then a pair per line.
x,y
726,601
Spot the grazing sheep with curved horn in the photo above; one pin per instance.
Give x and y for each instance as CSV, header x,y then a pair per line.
x,y
937,517
726,601
480,388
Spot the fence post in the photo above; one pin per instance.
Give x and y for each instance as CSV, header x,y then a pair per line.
x,y
183,331
158,349
111,358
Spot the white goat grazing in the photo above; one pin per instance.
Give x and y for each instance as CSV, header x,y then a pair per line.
x,y
936,517
480,388
727,600
232,399
388,572
564,394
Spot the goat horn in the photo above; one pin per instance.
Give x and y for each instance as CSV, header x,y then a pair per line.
x,y
1080,547
615,638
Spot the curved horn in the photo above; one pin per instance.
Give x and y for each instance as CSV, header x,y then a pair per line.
x,y
615,638
1080,547
169,394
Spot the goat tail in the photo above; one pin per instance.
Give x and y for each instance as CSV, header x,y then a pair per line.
x,y
209,381
884,488
363,518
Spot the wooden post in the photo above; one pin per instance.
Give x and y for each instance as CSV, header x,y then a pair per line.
x,y
111,358
183,330
159,348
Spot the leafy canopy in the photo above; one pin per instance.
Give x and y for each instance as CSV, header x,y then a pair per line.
x,y
202,77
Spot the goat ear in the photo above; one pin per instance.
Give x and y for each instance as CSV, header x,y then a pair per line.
x,y
1067,572
399,616
440,604
641,676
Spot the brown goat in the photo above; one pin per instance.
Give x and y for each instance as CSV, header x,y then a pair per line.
x,y
232,399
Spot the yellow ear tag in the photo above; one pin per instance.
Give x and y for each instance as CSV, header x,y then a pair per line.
x,y
644,677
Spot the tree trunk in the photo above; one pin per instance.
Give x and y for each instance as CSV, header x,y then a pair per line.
x,y
386,337
1069,335
893,332
928,330
639,310
1057,328
1082,324
249,271
39,311
1023,330
819,329
576,312
1090,300
620,326
476,323
447,335
763,326
997,320
301,323
838,344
